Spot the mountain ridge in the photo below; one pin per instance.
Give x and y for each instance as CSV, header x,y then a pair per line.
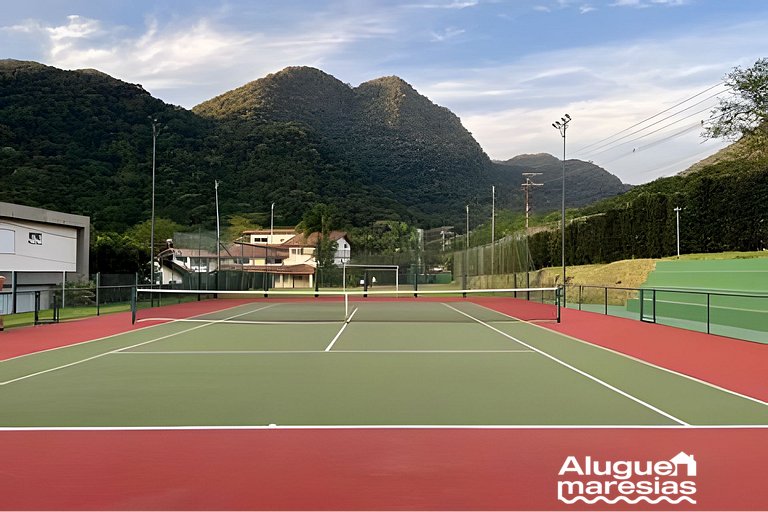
x,y
80,141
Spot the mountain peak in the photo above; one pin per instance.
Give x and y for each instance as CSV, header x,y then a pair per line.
x,y
533,160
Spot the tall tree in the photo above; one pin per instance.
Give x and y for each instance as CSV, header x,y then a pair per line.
x,y
745,110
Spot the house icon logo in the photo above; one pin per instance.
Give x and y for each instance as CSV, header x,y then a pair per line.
x,y
683,459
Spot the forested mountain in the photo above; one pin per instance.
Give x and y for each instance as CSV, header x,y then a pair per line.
x,y
585,182
398,139
81,142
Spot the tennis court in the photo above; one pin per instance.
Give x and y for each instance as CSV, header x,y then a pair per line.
x,y
356,365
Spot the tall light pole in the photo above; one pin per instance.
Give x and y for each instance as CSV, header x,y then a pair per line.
x,y
677,214
493,226
155,131
218,234
272,224
271,241
562,126
466,253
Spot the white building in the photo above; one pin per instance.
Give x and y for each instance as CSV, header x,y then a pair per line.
x,y
39,249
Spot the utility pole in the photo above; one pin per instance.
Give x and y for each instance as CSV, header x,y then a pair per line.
x,y
526,187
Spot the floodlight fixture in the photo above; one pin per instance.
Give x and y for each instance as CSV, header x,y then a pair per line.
x,y
562,126
155,131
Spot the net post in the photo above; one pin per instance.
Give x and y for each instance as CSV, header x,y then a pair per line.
x,y
98,284
134,300
37,307
55,309
557,304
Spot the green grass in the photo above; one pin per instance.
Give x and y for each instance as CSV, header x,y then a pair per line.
x,y
69,313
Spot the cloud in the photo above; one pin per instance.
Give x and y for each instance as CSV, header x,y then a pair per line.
x,y
448,33
199,58
584,9
456,4
643,4
605,88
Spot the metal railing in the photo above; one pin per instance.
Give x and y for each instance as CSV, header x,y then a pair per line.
x,y
737,314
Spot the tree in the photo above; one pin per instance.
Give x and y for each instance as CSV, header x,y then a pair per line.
x,y
321,219
745,110
141,233
237,225
117,254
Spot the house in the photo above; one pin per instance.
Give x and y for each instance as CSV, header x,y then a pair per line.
x,y
283,254
290,255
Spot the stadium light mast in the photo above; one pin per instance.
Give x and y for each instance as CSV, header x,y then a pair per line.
x,y
218,234
562,126
466,253
155,131
493,227
677,214
272,224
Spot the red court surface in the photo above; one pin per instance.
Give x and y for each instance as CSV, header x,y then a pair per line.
x,y
371,469
399,468
738,365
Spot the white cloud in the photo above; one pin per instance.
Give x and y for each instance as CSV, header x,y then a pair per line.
x,y
456,4
196,60
605,89
642,4
448,33
584,9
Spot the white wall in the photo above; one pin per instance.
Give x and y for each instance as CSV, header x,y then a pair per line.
x,y
28,246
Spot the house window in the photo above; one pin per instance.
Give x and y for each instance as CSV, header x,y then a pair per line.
x,y
258,239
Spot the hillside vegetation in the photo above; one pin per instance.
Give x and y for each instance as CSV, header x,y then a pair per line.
x,y
722,209
81,142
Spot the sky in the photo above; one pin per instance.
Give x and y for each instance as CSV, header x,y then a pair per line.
x,y
637,77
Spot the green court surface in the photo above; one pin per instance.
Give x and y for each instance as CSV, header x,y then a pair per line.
x,y
430,363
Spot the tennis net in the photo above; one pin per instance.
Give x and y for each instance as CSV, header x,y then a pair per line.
x,y
307,306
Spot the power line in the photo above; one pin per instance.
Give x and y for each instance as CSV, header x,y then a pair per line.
x,y
649,118
654,131
601,150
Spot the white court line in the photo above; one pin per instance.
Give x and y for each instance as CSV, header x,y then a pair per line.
x,y
224,352
657,367
346,323
108,337
117,351
573,368
386,427
245,322
646,363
